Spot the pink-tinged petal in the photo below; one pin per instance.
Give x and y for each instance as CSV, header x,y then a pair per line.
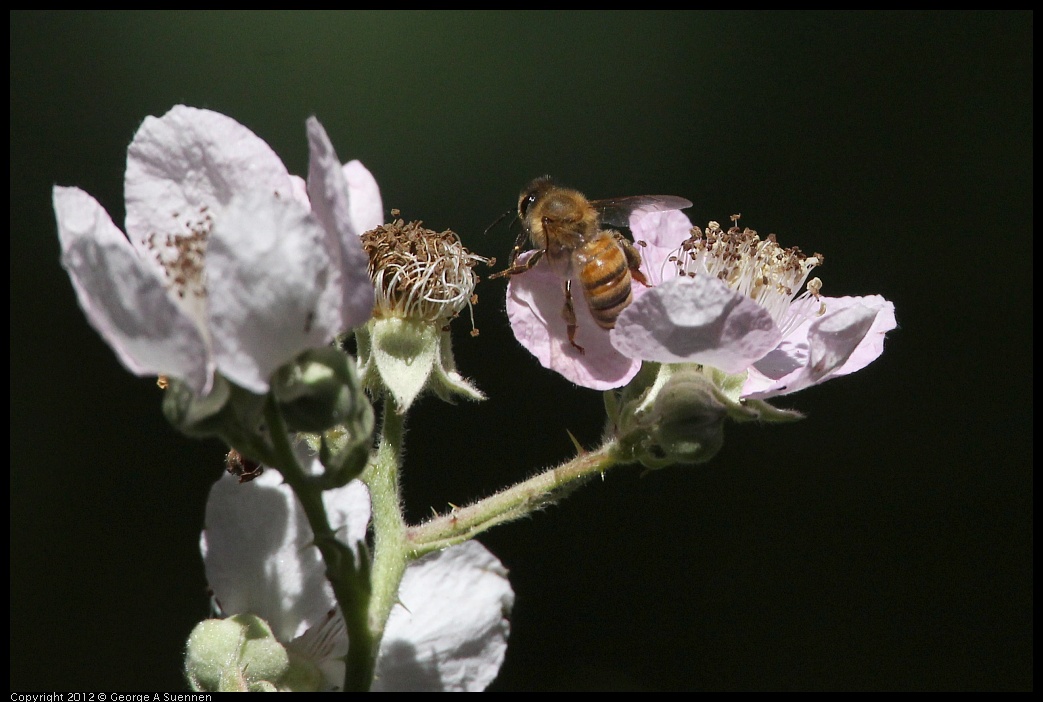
x,y
773,374
259,554
696,320
535,300
450,632
846,339
124,298
331,201
184,167
662,234
367,209
267,269
662,229
872,345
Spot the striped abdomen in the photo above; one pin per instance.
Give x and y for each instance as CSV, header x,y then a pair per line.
x,y
604,271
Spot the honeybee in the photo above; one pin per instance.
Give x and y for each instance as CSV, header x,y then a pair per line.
x,y
565,229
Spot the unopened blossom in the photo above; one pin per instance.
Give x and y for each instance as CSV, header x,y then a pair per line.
x,y
224,267
448,633
740,303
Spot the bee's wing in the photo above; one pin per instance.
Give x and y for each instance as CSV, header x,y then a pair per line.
x,y
616,211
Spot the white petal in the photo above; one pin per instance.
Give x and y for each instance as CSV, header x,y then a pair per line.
x,y
367,209
325,645
450,632
187,165
662,234
846,339
124,298
258,552
696,320
348,511
332,202
835,337
534,304
872,345
267,267
300,190
258,557
663,229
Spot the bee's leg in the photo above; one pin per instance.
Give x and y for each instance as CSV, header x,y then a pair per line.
x,y
515,269
633,257
568,313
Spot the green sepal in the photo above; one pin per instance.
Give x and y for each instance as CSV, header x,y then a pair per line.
x,y
228,411
770,413
344,454
672,414
403,357
302,675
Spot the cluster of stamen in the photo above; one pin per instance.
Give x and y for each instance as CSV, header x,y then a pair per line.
x,y
421,274
758,268
181,254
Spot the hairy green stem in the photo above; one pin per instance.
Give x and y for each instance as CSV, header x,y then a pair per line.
x,y
390,550
463,523
349,580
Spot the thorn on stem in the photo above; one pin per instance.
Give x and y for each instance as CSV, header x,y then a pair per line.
x,y
580,451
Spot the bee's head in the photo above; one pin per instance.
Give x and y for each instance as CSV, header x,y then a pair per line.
x,y
532,193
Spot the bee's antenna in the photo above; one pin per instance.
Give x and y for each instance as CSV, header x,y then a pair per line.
x,y
498,220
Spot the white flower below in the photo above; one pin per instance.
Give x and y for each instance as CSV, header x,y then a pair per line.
x,y
448,634
450,631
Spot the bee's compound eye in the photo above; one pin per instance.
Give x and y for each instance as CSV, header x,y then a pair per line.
x,y
526,203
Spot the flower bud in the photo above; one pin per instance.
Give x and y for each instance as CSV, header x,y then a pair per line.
x,y
238,654
689,421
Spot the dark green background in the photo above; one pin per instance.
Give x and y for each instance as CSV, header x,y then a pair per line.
x,y
884,543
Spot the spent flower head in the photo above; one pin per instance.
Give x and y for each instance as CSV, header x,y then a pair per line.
x,y
423,280
419,273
